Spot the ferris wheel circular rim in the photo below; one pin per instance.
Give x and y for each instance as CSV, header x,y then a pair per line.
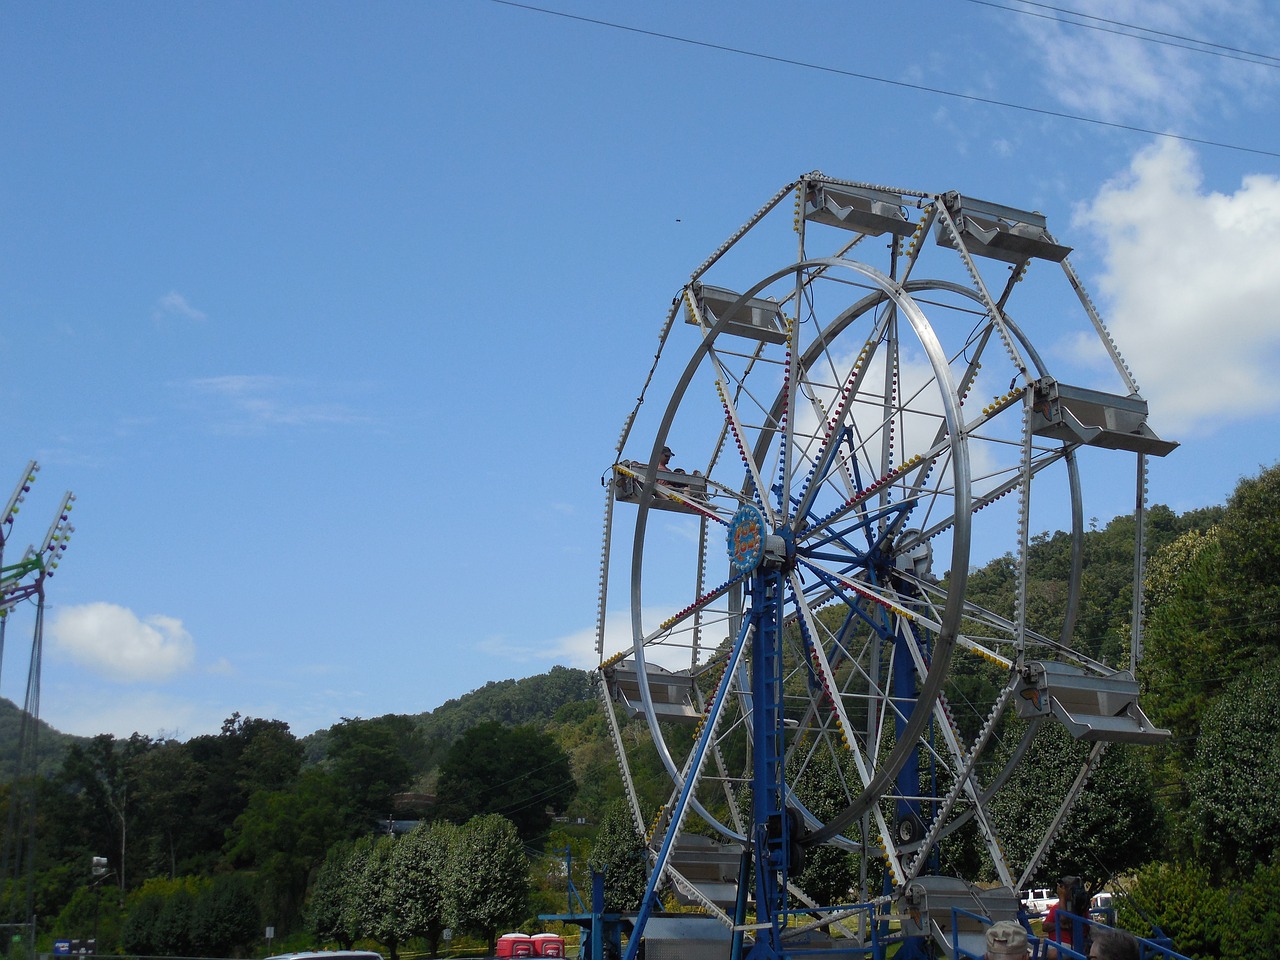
x,y
903,297
960,541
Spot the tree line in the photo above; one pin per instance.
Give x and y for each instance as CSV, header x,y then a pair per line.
x,y
240,818
473,878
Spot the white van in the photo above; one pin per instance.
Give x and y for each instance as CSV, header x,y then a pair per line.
x,y
329,955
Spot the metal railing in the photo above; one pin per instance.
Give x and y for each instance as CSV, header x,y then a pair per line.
x,y
1156,947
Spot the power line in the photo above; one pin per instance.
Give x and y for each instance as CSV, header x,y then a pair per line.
x,y
939,91
1193,44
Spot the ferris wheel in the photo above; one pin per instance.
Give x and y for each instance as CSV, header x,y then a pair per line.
x,y
844,416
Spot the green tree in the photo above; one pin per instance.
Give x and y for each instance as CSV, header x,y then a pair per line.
x,y
489,877
1215,607
140,933
1183,903
327,900
93,913
1190,653
98,781
192,916
1114,825
518,772
270,758
1212,618
1234,777
373,896
226,917
619,851
1253,926
373,760
283,834
421,881
249,754
169,787
355,869
581,729
1250,537
175,927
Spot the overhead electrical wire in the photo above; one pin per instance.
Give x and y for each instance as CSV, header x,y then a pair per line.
x,y
939,91
1215,49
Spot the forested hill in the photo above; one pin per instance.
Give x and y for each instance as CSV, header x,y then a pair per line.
x,y
51,746
513,702
532,700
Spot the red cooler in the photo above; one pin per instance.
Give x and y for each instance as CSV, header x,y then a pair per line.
x,y
514,945
548,945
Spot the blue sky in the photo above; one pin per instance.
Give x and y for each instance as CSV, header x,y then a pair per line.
x,y
330,314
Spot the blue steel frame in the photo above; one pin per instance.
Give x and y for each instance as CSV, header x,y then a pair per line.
x,y
775,838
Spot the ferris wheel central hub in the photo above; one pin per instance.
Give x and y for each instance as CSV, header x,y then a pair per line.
x,y
752,547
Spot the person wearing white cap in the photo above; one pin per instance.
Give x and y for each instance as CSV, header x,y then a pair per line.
x,y
1007,940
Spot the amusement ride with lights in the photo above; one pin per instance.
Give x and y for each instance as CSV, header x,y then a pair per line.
x,y
859,423
20,582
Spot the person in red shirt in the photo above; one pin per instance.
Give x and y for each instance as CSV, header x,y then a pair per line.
x,y
1071,899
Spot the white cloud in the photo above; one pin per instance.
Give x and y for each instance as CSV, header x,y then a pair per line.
x,y
1192,287
149,712
222,667
1101,73
113,642
578,649
254,402
174,304
573,650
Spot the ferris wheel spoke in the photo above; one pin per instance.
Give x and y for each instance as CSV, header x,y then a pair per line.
x,y
890,600
961,764
939,449
850,741
836,422
990,494
818,657
737,431
693,609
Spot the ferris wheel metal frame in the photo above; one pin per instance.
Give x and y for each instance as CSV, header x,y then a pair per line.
x,y
828,401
